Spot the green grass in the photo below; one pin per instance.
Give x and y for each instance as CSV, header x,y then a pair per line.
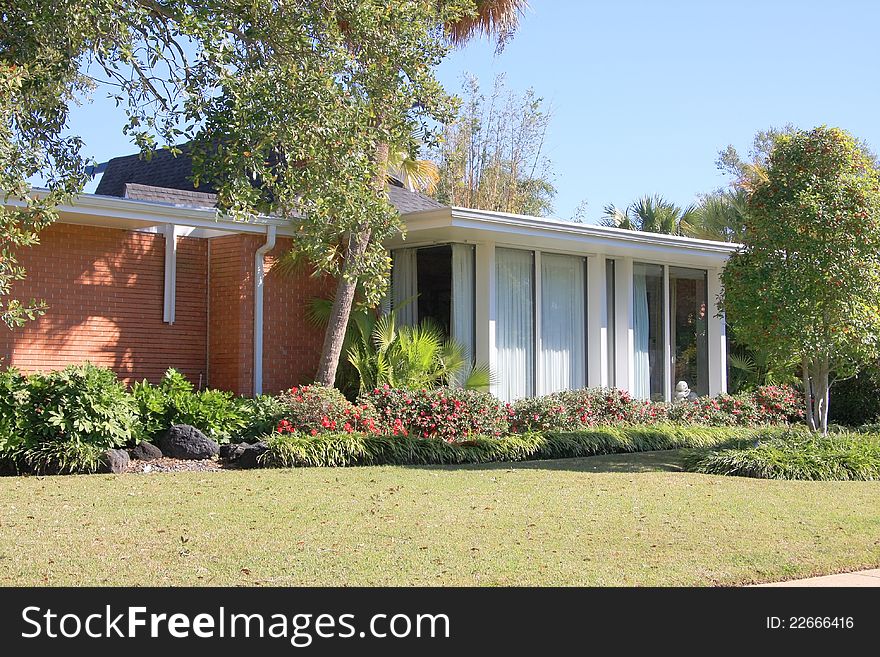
x,y
632,519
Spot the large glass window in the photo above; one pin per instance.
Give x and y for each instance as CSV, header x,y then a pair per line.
x,y
563,338
689,303
515,323
437,284
648,332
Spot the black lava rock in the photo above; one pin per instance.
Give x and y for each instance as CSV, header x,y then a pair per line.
x,y
183,441
232,451
115,461
248,457
145,451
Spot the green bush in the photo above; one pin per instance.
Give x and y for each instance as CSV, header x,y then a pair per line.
x,y
334,449
71,417
261,416
797,454
214,412
856,401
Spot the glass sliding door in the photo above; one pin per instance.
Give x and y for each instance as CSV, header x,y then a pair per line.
x,y
404,286
515,323
688,304
649,336
563,323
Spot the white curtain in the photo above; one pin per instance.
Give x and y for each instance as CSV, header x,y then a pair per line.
x,y
404,286
462,311
514,323
641,386
563,335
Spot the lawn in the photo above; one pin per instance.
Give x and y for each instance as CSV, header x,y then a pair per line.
x,y
610,520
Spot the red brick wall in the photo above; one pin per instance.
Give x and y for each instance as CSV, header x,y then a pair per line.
x,y
104,288
291,344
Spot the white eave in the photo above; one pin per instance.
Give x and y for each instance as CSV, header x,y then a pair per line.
x,y
116,212
462,224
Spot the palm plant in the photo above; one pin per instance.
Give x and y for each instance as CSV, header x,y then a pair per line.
x,y
415,174
498,18
721,216
410,357
652,214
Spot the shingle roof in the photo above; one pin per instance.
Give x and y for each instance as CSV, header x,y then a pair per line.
x,y
168,179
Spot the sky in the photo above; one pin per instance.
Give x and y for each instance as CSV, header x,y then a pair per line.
x,y
645,94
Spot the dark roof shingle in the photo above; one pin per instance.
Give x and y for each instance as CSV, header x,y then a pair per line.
x,y
134,176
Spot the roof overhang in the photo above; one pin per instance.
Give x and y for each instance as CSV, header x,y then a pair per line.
x,y
133,214
473,226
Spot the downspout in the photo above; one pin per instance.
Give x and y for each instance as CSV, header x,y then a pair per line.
x,y
259,276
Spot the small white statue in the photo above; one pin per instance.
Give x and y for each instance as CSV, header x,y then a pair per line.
x,y
682,392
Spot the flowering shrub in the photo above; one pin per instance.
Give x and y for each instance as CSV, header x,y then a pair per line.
x,y
573,410
447,413
779,404
317,409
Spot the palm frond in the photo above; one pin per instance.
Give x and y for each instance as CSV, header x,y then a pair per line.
x,y
498,18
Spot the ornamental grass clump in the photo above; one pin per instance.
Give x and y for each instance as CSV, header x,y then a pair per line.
x,y
338,450
797,454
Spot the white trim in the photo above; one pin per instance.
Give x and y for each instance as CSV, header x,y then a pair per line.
x,y
259,280
170,284
717,328
668,369
537,320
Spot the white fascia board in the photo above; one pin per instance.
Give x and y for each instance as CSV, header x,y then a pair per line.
x,y
582,239
104,210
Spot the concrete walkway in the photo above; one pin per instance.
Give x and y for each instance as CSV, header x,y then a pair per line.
x,y
861,578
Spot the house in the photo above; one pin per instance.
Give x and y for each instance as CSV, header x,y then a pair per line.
x,y
142,275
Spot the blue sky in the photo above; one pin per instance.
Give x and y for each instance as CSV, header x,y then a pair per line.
x,y
645,94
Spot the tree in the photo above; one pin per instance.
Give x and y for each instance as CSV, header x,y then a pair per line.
x,y
492,156
652,214
806,281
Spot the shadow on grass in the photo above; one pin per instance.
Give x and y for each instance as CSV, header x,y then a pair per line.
x,y
639,462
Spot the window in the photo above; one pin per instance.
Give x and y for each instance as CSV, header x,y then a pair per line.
x,y
648,332
611,322
689,303
515,323
437,284
563,325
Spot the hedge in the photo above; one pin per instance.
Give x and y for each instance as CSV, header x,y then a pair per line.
x,y
343,450
796,454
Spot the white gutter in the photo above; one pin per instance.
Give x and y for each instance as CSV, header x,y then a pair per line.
x,y
170,288
259,276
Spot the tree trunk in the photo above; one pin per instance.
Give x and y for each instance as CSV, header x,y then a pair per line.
x,y
334,335
809,414
358,242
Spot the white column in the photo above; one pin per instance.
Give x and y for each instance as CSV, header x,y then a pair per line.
x,y
717,337
485,306
667,337
597,323
538,318
623,308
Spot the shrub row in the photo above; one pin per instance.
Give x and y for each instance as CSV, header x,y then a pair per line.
x,y
581,409
797,454
356,449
